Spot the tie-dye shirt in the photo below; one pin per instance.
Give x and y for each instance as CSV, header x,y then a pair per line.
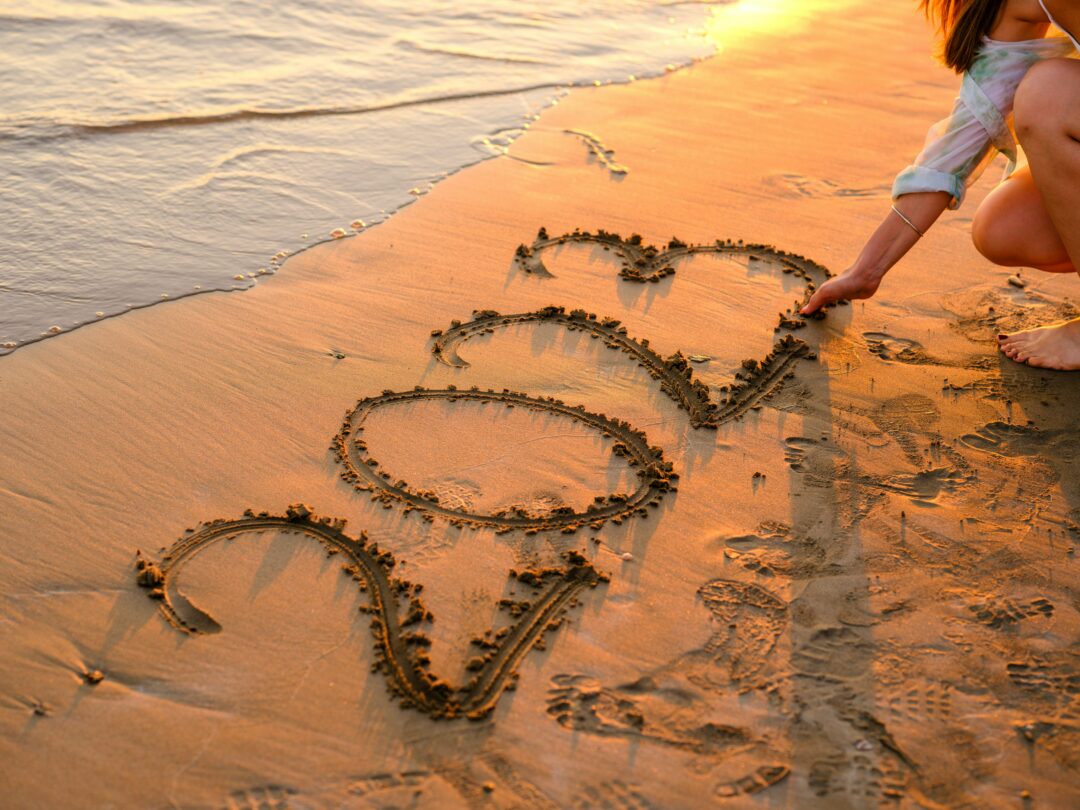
x,y
959,148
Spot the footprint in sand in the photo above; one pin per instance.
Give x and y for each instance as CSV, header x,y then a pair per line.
x,y
798,185
1051,680
267,797
1006,439
835,652
747,621
665,706
894,349
824,466
641,711
898,350
1000,613
616,795
986,312
582,703
1061,739
768,552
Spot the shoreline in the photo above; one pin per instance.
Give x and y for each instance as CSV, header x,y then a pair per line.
x,y
524,93
872,560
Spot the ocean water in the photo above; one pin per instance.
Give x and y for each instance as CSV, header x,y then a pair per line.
x,y
152,150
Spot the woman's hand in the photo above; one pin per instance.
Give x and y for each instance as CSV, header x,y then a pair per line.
x,y
853,283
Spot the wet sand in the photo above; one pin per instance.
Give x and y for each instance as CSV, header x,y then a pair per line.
x,y
560,571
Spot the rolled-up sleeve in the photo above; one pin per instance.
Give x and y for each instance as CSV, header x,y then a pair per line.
x,y
959,148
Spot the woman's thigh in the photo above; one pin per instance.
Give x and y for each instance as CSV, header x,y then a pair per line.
x,y
1012,227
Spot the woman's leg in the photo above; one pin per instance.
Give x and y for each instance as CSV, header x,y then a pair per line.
x,y
1047,113
1013,228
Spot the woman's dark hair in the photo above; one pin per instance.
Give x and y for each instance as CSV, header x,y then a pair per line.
x,y
963,24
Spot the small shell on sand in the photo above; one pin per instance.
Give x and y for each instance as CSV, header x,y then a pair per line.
x,y
11,344
238,277
55,329
626,556
337,233
357,224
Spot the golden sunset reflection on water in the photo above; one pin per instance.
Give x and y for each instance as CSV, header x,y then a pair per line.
x,y
732,23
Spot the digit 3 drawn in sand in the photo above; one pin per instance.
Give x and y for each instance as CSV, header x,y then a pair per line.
x,y
362,471
647,263
395,607
755,382
641,263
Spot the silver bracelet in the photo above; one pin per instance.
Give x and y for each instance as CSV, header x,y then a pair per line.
x,y
911,224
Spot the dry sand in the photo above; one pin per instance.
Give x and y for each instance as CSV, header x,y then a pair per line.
x,y
853,587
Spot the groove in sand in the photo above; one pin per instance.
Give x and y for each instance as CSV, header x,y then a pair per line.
x,y
647,263
655,476
757,381
394,605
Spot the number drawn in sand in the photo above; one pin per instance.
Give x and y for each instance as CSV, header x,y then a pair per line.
x,y
647,263
754,383
655,476
395,607
731,661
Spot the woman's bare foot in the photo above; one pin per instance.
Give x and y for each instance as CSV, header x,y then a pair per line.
x,y
1056,346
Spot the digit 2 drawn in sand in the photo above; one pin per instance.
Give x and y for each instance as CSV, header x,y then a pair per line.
x,y
394,605
757,381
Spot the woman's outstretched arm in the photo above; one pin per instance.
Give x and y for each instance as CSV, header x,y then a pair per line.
x,y
888,244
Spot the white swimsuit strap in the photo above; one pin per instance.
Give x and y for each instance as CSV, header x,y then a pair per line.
x,y
1055,24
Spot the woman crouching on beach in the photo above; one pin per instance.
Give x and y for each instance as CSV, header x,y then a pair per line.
x,y
1032,219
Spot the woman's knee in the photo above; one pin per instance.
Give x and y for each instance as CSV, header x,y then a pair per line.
x,y
1040,101
993,230
989,233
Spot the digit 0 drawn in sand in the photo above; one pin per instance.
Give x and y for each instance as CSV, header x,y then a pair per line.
x,y
395,608
755,382
655,476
